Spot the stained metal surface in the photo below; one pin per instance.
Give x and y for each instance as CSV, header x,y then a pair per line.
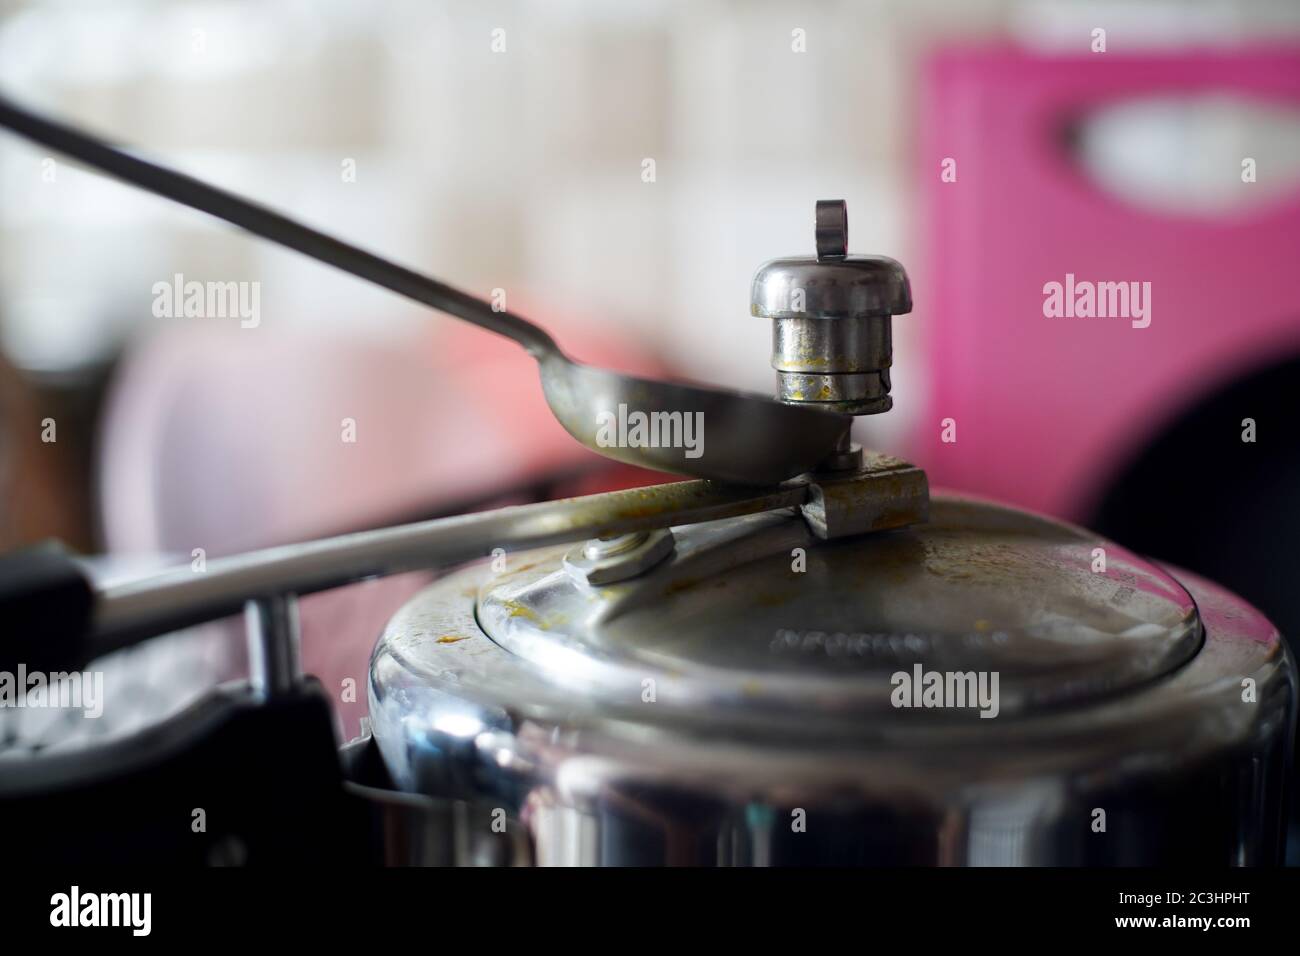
x,y
831,338
711,770
129,611
883,492
737,618
603,561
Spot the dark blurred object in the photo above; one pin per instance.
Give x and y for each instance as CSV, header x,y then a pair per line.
x,y
1200,497
46,602
234,780
44,456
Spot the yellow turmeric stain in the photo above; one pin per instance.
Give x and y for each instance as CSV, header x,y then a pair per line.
x,y
520,610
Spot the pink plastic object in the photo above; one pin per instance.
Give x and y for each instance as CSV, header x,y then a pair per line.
x,y
1047,409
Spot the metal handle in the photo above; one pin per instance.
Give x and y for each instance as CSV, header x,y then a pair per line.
x,y
886,493
128,613
831,229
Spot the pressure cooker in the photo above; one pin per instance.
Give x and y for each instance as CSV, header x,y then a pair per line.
x,y
858,673
802,655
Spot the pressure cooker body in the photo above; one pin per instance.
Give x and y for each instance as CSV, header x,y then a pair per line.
x,y
988,687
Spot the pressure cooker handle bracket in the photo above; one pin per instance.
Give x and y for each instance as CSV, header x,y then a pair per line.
x,y
887,493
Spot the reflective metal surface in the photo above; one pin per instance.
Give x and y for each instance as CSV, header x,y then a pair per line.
x,y
733,621
831,336
743,439
879,492
854,285
722,710
129,611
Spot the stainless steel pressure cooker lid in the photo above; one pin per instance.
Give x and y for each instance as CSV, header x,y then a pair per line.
x,y
754,614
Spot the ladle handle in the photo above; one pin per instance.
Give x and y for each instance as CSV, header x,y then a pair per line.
x,y
273,226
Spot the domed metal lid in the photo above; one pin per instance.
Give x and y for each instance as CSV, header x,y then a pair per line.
x,y
754,614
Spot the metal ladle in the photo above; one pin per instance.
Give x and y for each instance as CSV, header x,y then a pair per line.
x,y
745,439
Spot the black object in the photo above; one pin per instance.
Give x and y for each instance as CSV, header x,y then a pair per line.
x,y
234,780
1200,497
45,609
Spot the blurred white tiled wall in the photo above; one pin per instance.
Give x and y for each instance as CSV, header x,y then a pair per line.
x,y
518,169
